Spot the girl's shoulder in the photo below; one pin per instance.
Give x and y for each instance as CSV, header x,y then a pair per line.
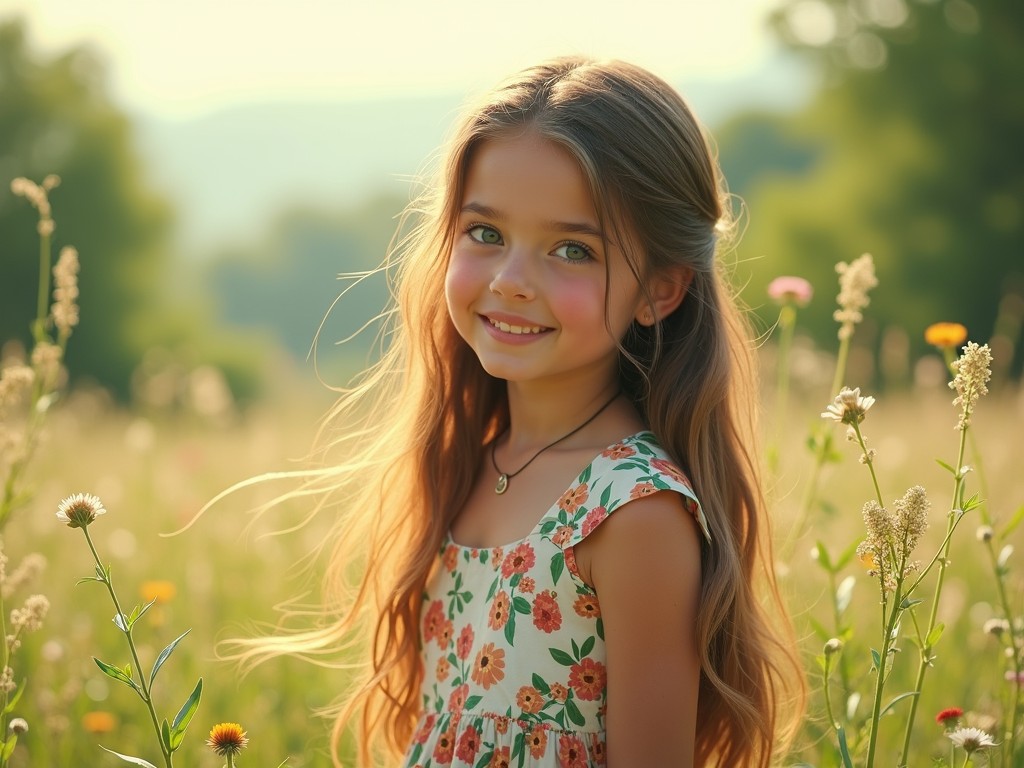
x,y
630,469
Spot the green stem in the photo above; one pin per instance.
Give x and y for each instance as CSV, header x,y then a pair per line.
x,y
145,694
828,693
837,618
42,299
1009,733
787,325
889,626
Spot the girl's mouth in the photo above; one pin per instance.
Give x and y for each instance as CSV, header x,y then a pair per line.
x,y
524,330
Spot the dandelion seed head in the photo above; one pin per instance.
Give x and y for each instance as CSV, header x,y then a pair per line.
x,y
848,407
227,739
945,335
790,290
971,739
973,370
80,510
855,280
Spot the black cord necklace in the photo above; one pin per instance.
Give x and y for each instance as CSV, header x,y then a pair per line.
x,y
505,477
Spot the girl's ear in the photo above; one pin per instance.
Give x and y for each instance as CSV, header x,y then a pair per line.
x,y
667,292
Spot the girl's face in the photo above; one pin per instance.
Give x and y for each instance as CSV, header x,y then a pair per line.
x,y
531,285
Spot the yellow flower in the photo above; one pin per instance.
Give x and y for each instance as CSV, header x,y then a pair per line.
x,y
227,739
161,591
945,335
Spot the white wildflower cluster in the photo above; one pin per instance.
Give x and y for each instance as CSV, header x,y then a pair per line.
x,y
46,361
848,407
28,569
65,291
971,740
893,535
855,280
38,196
15,382
7,683
28,618
973,370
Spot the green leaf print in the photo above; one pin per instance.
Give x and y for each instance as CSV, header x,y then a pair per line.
x,y
587,647
585,475
472,701
521,604
575,649
485,758
494,587
557,565
574,713
606,496
540,685
518,746
600,628
561,657
510,628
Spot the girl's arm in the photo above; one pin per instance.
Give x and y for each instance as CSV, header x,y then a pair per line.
x,y
644,562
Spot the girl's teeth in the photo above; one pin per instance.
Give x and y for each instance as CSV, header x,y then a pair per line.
x,y
515,328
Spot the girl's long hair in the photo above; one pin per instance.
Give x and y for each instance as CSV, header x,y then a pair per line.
x,y
415,424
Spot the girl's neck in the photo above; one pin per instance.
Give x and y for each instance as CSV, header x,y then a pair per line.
x,y
540,416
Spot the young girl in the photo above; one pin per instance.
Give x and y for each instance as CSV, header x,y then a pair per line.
x,y
566,549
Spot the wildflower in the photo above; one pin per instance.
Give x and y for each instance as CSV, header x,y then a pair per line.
x,y
911,513
848,407
46,359
65,279
949,716
945,335
973,370
18,726
80,510
971,739
996,627
30,616
227,739
833,646
159,591
855,280
34,193
31,566
99,722
15,381
984,533
790,290
7,683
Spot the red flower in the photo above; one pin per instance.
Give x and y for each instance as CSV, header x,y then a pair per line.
x,y
445,749
618,451
573,497
537,741
457,700
499,611
949,716
500,758
593,519
527,585
587,679
547,616
587,606
465,642
598,750
519,560
529,700
432,620
571,752
642,489
670,469
469,745
489,667
562,535
424,731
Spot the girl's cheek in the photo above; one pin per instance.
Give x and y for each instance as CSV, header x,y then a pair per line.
x,y
461,284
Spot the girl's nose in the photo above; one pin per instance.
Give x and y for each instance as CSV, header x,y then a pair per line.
x,y
512,280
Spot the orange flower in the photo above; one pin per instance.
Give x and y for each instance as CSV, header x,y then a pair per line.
x,y
587,606
945,335
598,751
670,469
468,746
160,591
444,634
519,560
458,698
573,497
227,739
99,722
537,741
432,620
594,518
443,667
559,692
500,759
562,535
618,451
489,667
529,700
499,611
444,751
547,616
450,558
571,752
642,489
465,642
527,585
587,679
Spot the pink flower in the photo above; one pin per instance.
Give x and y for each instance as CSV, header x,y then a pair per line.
x,y
790,290
519,560
547,616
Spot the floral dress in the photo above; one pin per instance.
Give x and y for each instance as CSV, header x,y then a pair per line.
x,y
512,637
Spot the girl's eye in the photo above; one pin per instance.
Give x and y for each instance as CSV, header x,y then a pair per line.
x,y
574,252
484,234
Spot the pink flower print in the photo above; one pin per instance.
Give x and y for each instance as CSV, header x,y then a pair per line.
x,y
443,668
571,752
445,749
527,585
489,667
424,732
573,497
468,746
432,620
496,555
598,750
450,558
457,701
499,611
519,560
562,535
593,519
670,469
618,451
444,634
547,616
642,489
465,642
587,679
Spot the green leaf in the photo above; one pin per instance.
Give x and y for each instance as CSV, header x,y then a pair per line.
x,y
165,735
821,555
184,716
575,649
165,654
561,657
15,698
119,621
557,565
472,701
909,603
129,758
847,555
935,634
844,750
898,698
1018,516
876,659
8,749
521,604
540,684
946,467
510,628
587,647
518,744
117,674
485,758
574,713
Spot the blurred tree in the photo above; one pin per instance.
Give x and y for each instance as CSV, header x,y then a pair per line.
x,y
56,117
912,150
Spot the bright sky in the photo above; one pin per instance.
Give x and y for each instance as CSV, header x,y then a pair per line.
x,y
177,58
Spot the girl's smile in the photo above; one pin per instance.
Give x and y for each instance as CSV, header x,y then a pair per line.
x,y
529,274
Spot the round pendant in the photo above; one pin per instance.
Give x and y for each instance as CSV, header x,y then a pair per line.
x,y
502,484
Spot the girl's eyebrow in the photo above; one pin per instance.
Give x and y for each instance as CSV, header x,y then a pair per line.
x,y
582,227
